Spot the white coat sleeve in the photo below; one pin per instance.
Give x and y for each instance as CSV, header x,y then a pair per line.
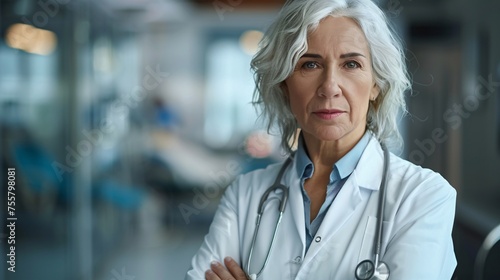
x,y
422,246
222,239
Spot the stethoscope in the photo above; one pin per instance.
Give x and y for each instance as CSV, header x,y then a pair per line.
x,y
366,270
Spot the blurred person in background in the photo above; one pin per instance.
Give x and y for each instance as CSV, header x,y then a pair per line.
x,y
341,206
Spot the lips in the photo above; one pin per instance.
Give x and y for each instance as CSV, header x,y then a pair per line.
x,y
328,114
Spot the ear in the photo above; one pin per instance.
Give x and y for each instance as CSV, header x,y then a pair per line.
x,y
284,88
374,93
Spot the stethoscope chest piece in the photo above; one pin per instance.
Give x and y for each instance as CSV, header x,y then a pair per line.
x,y
366,270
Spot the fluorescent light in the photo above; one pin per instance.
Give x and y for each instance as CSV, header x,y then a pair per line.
x,y
249,41
31,39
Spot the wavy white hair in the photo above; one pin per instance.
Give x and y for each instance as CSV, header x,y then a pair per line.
x,y
286,41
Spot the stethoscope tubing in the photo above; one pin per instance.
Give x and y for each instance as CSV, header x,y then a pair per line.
x,y
277,185
284,198
381,206
376,269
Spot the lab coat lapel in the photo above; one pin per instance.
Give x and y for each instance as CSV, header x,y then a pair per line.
x,y
296,203
370,167
338,214
367,175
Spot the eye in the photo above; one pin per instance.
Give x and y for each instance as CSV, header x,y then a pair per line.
x,y
352,64
310,65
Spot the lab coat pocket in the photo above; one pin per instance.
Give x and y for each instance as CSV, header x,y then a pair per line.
x,y
368,243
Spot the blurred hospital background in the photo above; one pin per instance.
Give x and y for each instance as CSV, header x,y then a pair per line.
x,y
126,119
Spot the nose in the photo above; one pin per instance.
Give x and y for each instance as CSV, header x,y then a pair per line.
x,y
329,86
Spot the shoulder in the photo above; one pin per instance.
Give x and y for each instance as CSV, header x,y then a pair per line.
x,y
414,181
415,174
256,180
403,179
249,187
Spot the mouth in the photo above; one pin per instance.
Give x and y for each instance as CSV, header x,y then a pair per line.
x,y
328,114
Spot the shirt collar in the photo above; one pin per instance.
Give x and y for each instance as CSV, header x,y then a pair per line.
x,y
304,164
349,161
342,168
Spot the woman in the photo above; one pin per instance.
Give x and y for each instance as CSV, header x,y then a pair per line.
x,y
333,69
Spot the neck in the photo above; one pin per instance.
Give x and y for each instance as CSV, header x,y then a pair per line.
x,y
327,153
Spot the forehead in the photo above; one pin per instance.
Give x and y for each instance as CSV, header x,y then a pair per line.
x,y
337,32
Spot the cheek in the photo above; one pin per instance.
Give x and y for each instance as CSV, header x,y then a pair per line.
x,y
296,104
297,98
358,103
360,107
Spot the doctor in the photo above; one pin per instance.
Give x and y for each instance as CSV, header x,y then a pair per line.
x,y
333,69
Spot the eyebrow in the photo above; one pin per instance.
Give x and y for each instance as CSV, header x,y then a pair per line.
x,y
345,55
313,55
351,54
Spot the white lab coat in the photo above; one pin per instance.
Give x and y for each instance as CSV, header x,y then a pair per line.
x,y
418,220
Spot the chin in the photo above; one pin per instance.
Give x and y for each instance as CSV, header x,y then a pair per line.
x,y
329,134
335,133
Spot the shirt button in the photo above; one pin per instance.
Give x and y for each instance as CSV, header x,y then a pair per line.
x,y
318,239
298,259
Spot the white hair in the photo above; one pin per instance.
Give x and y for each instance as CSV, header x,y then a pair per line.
x,y
286,41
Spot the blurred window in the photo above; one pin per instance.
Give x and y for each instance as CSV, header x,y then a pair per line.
x,y
10,77
229,114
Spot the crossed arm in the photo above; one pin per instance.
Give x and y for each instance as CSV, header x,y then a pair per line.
x,y
231,271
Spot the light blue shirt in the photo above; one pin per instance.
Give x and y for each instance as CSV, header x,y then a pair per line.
x,y
340,173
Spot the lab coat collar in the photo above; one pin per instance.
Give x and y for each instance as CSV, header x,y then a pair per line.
x,y
341,169
367,173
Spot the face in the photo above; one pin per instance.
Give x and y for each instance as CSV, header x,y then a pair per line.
x,y
332,83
